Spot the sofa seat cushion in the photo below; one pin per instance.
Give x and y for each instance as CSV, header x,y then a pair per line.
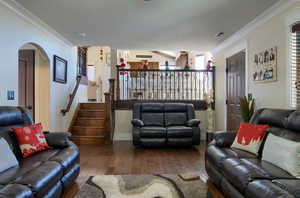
x,y
179,132
240,174
13,173
265,189
179,142
67,158
153,142
290,185
42,178
153,132
267,168
16,191
217,154
44,156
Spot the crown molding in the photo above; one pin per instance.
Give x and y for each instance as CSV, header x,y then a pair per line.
x,y
24,13
274,10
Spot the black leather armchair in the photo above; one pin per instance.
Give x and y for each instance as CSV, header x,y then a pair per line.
x,y
239,174
45,174
156,124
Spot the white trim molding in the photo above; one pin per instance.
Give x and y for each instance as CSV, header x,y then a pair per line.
x,y
18,9
274,10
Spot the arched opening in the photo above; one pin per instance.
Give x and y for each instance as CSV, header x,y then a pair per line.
x,y
34,82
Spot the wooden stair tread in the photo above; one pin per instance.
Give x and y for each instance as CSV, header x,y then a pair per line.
x,y
87,136
87,127
89,124
100,110
88,118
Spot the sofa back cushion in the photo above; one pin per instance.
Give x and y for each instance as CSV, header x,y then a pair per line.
x,y
175,114
152,114
283,123
13,117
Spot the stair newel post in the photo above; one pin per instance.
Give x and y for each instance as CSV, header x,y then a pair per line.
x,y
112,88
108,118
113,104
118,83
214,86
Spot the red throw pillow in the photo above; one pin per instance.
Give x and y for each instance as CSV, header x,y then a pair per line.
x,y
31,139
249,137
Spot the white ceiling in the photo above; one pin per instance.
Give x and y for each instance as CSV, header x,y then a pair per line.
x,y
155,25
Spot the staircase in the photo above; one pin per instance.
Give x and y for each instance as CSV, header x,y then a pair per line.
x,y
89,124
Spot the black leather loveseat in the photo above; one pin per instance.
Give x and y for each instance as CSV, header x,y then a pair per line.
x,y
241,174
45,174
156,124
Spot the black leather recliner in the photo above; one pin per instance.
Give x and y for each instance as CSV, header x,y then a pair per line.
x,y
156,124
241,174
45,174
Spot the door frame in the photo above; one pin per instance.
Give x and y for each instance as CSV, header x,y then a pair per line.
x,y
242,46
34,82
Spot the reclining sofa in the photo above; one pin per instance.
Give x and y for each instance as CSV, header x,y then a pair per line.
x,y
156,125
240,174
47,174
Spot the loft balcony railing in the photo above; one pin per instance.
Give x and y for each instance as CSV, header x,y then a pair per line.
x,y
134,85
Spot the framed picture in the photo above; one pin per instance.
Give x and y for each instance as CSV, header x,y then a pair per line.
x,y
265,66
60,70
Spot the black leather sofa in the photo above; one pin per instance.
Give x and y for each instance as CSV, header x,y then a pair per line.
x,y
45,174
156,124
241,174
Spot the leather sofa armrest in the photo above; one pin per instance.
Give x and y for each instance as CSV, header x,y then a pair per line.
x,y
193,123
58,139
137,123
224,138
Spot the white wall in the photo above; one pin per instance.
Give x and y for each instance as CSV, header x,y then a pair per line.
x,y
17,31
123,130
274,32
103,68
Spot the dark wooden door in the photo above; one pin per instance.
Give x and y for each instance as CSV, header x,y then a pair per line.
x,y
26,80
235,73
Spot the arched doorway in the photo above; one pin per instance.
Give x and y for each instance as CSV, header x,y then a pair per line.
x,y
34,82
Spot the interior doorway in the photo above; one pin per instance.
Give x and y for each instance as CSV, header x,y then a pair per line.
x,y
235,88
34,83
26,80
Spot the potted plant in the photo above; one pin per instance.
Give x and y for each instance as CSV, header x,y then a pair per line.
x,y
247,105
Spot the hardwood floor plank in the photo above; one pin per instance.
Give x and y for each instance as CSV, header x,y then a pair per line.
x,y
123,158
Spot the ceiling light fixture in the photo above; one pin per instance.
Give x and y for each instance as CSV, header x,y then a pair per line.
x,y
220,34
80,34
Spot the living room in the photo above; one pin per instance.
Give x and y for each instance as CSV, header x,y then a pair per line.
x,y
149,98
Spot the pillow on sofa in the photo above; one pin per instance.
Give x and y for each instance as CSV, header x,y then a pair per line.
x,y
249,137
31,139
8,159
283,153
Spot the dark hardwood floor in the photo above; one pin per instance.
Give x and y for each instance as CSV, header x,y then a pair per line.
x,y
123,158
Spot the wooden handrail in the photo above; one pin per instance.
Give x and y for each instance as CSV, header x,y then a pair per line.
x,y
72,96
163,70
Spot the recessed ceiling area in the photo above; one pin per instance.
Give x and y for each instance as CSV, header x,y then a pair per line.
x,y
150,25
